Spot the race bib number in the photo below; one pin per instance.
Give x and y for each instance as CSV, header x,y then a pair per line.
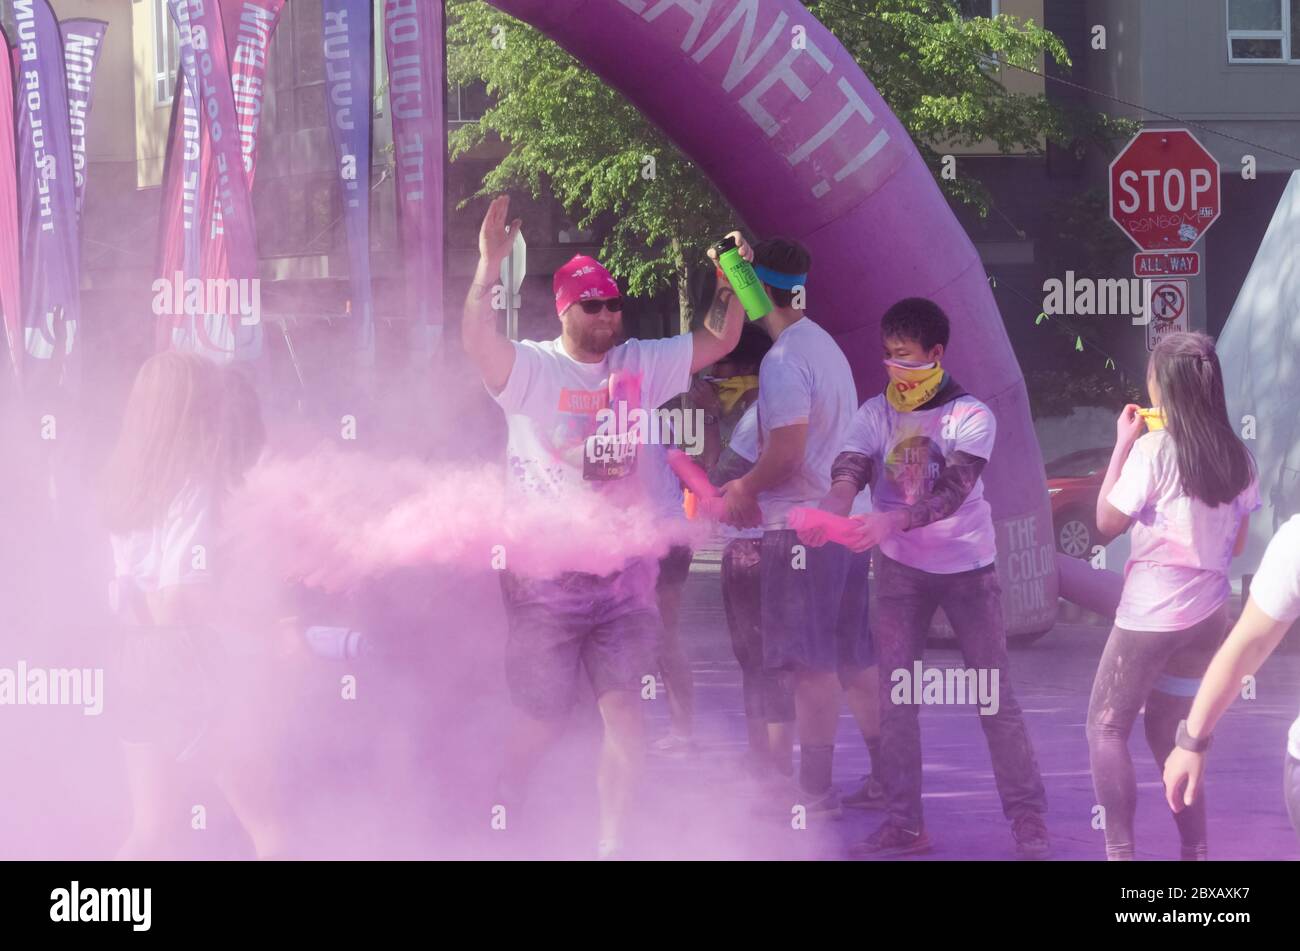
x,y
608,457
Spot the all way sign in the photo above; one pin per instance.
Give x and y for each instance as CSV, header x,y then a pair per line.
x,y
1186,263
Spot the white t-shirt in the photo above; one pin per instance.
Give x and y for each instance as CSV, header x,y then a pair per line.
x,y
1276,591
804,378
167,554
911,451
1177,571
552,405
744,443
663,488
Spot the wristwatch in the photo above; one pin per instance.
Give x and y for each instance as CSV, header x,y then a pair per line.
x,y
1185,740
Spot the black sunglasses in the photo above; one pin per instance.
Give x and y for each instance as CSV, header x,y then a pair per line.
x,y
615,305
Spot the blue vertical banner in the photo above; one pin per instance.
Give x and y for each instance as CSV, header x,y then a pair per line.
x,y
47,195
349,66
82,41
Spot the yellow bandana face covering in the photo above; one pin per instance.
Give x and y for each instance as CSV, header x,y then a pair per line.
x,y
911,386
1155,418
732,388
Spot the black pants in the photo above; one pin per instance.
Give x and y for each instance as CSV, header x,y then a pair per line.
x,y
674,667
1291,784
1158,670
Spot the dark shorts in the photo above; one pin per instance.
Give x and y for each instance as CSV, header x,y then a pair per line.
x,y
164,686
814,606
674,567
608,624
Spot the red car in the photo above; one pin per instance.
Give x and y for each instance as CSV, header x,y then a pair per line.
x,y
1073,483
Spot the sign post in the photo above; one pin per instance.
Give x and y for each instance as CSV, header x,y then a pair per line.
x,y
513,269
1164,194
1167,308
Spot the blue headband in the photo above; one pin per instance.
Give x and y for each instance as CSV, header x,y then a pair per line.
x,y
787,282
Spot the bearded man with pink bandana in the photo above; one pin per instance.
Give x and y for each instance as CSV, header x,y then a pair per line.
x,y
551,393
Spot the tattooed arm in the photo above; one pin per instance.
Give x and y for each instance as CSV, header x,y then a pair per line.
x,y
850,474
720,331
949,492
724,319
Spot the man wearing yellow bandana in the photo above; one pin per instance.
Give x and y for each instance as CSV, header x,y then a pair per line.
x,y
922,446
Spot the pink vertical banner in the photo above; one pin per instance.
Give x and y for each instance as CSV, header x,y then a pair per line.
x,y
228,182
249,26
179,251
229,248
416,42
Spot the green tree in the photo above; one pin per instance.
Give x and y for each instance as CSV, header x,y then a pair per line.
x,y
569,132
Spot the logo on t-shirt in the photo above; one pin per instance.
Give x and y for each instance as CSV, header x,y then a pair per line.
x,y
912,467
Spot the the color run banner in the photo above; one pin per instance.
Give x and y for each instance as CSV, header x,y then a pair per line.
x,y
231,248
47,203
248,28
415,41
82,41
179,254
208,228
349,32
10,276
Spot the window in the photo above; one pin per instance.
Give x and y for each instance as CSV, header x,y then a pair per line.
x,y
978,8
467,103
165,54
1263,31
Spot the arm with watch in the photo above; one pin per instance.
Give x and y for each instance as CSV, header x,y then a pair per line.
x,y
1254,637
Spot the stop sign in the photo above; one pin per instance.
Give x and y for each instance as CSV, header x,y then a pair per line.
x,y
1164,190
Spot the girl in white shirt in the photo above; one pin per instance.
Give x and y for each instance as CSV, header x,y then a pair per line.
x,y
190,431
1186,488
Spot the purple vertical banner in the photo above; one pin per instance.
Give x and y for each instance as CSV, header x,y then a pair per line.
x,y
82,41
416,43
10,275
47,197
349,66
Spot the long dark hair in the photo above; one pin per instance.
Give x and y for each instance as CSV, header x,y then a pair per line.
x,y
1214,465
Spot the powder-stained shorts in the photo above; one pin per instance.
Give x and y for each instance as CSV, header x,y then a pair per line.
x,y
607,624
814,606
163,686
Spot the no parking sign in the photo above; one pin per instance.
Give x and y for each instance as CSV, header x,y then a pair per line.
x,y
1166,309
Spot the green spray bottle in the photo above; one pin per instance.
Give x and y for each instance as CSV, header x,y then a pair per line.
x,y
740,273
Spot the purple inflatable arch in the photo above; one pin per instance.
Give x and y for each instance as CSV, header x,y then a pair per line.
x,y
776,112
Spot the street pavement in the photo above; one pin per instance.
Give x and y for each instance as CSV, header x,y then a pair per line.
x,y
690,808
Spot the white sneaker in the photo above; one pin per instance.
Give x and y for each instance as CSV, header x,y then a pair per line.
x,y
673,746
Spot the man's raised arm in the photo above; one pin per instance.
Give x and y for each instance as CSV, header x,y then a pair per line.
x,y
719,333
488,347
